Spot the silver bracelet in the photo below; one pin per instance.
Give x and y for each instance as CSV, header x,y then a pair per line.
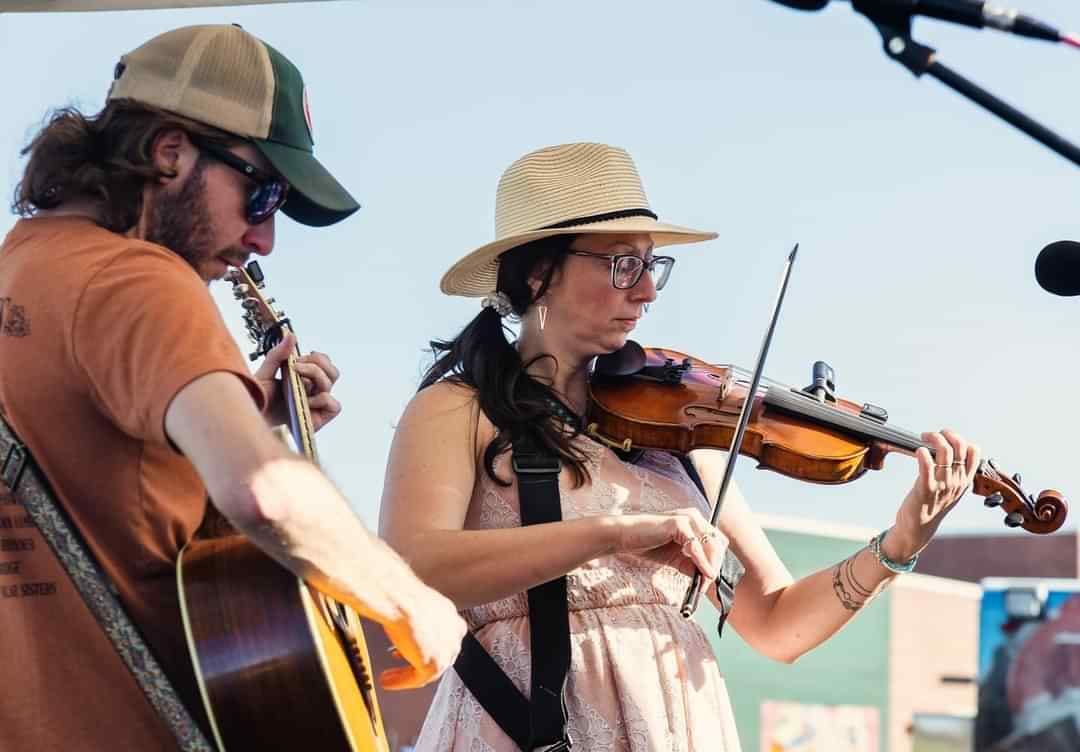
x,y
899,567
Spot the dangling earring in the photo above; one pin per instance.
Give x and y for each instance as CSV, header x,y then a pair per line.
x,y
542,312
646,307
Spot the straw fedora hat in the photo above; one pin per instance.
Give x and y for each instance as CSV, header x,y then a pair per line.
x,y
563,190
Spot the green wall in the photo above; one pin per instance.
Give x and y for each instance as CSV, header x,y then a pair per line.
x,y
849,669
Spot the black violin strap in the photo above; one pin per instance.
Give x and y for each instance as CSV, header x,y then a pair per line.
x,y
731,569
539,722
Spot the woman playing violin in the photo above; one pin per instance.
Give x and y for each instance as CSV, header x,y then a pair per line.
x,y
575,260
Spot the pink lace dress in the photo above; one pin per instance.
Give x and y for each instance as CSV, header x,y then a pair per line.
x,y
642,678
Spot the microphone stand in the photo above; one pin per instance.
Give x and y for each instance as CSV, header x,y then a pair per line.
x,y
895,28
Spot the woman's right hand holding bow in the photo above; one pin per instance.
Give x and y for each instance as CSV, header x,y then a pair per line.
x,y
682,538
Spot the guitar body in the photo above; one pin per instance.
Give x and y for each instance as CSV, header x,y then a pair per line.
x,y
279,665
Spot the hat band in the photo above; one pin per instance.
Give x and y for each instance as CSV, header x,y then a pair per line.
x,y
605,217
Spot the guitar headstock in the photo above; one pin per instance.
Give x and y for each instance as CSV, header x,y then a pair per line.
x,y
265,324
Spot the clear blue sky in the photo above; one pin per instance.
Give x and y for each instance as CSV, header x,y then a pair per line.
x,y
919,215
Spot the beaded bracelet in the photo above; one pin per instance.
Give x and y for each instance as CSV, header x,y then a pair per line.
x,y
899,567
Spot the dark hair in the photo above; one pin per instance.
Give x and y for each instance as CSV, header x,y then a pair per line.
x,y
482,358
104,157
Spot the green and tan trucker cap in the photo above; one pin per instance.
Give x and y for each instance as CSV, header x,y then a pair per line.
x,y
225,77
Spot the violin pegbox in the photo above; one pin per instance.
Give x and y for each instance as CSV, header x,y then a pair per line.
x,y
263,322
1040,514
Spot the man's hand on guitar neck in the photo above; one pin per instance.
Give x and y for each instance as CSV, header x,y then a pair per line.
x,y
318,373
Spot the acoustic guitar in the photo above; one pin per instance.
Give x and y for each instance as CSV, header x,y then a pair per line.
x,y
279,664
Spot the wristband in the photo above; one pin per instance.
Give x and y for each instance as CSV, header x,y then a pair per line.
x,y
899,567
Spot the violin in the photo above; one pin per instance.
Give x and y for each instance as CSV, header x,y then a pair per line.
x,y
654,398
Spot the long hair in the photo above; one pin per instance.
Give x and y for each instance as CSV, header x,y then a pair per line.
x,y
105,158
481,357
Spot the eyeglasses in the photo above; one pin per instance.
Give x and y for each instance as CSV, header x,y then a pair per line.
x,y
269,192
627,268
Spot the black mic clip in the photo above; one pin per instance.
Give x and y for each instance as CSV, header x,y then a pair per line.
x,y
893,22
892,18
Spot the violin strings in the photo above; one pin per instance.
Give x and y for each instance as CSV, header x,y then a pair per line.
x,y
842,419
828,414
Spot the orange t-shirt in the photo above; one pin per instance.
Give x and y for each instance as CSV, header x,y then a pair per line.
x,y
98,333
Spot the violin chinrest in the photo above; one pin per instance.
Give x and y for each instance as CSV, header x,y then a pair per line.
x,y
627,360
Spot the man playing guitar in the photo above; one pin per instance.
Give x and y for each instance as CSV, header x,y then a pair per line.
x,y
117,372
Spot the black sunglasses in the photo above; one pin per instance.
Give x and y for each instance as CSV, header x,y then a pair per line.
x,y
270,191
627,268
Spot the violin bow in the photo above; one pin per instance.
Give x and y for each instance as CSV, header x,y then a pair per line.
x,y
693,593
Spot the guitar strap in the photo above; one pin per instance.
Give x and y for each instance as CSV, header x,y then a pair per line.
x,y
539,723
29,487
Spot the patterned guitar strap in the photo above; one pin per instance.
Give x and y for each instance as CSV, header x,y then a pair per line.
x,y
29,487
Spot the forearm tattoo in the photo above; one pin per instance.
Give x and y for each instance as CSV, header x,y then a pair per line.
x,y
853,594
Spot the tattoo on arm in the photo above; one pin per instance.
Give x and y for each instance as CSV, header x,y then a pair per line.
x,y
853,595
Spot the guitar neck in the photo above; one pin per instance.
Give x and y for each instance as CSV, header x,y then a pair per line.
x,y
296,399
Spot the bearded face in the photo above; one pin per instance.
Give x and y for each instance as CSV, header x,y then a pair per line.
x,y
181,222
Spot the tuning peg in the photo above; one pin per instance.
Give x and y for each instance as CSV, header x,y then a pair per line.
x,y
994,500
1014,519
255,272
241,291
249,303
1017,480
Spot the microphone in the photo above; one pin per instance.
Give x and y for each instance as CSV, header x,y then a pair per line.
x,y
975,13
1057,268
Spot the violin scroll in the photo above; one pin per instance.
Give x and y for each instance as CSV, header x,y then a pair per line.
x,y
1041,515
